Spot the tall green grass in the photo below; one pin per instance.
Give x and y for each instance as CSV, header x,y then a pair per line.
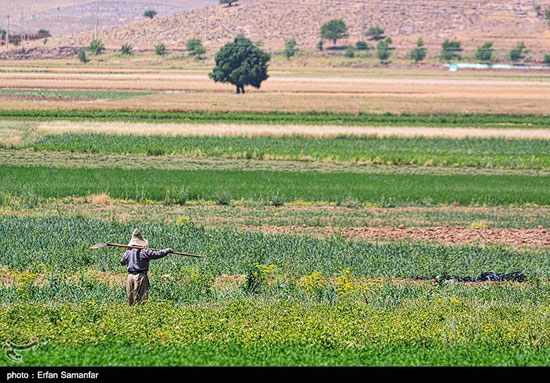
x,y
287,118
274,187
395,151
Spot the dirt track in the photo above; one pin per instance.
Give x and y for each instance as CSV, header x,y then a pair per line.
x,y
445,235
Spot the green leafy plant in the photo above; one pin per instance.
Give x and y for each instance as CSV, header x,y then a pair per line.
x,y
150,13
82,56
97,47
160,50
290,48
450,50
485,53
384,50
376,33
126,50
518,53
419,53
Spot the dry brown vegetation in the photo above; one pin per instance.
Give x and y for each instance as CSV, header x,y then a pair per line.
x,y
299,89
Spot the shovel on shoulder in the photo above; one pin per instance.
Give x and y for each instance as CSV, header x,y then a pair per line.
x,y
100,245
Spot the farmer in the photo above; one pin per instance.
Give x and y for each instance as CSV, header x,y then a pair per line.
x,y
137,263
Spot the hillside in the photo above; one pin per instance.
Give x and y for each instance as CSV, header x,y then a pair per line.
x,y
503,21
66,17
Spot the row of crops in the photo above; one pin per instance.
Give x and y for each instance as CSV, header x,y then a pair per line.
x,y
287,118
490,153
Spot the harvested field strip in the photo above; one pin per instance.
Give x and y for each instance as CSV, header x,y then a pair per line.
x,y
257,130
287,118
447,235
56,243
488,153
277,187
31,158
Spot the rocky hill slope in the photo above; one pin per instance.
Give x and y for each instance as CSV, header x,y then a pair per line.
x,y
505,22
67,17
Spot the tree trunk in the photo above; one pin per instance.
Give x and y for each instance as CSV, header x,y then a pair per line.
x,y
238,89
242,89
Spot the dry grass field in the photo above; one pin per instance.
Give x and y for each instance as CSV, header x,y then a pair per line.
x,y
290,88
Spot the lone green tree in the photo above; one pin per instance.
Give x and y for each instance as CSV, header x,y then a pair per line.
x,y
241,63
450,50
334,30
419,53
485,53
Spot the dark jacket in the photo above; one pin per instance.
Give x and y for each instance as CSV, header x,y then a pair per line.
x,y
137,260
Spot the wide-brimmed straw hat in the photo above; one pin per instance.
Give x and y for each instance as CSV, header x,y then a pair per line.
x,y
138,240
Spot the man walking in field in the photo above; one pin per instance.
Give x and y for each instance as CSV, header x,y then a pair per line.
x,y
137,264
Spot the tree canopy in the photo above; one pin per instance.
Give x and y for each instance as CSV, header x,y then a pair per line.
x,y
334,30
241,63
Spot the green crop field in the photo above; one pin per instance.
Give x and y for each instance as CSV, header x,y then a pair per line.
x,y
322,245
489,153
276,187
286,118
317,297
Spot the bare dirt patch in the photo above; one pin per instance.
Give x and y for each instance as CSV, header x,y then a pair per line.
x,y
447,235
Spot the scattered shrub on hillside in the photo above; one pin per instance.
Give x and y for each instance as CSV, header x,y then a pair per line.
x,y
82,56
485,52
44,32
518,53
290,48
350,53
334,30
320,45
195,48
546,59
419,53
150,13
241,63
160,49
376,33
126,50
97,47
228,2
450,50
383,50
362,46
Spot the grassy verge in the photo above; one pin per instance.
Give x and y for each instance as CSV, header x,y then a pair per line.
x,y
287,118
488,153
277,188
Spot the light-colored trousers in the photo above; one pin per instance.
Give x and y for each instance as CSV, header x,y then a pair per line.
x,y
137,287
